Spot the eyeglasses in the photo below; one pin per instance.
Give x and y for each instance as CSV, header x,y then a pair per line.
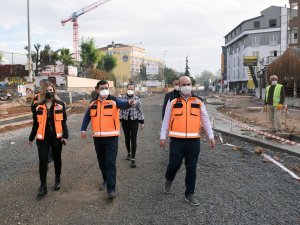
x,y
102,88
185,84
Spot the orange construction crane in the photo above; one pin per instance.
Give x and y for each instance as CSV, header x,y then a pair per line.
x,y
73,18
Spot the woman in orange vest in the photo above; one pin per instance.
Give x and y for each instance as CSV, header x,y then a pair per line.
x,y
50,130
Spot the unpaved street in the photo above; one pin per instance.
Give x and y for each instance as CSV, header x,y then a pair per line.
x,y
234,187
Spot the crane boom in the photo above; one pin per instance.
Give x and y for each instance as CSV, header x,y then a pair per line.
x,y
73,18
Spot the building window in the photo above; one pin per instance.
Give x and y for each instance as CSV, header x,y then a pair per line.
x,y
255,41
256,24
295,36
272,23
273,39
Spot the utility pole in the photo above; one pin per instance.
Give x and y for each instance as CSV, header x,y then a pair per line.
x,y
29,44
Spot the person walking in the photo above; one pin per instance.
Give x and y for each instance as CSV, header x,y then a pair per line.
x,y
274,100
37,98
170,94
131,118
185,115
50,129
104,113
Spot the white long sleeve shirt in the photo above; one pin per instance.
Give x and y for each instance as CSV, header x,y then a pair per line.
x,y
205,123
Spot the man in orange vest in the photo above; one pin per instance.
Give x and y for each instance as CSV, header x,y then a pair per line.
x,y
185,115
104,113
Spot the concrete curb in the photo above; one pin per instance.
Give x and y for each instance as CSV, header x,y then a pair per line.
x,y
283,149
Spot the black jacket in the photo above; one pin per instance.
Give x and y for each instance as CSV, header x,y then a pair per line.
x,y
168,95
50,129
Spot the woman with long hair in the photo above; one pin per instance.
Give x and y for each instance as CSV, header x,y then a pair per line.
x,y
50,130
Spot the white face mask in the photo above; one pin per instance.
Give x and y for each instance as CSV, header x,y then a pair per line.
x,y
176,88
104,93
186,90
274,82
130,92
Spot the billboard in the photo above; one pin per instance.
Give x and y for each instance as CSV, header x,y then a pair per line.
x,y
53,70
72,71
151,69
250,60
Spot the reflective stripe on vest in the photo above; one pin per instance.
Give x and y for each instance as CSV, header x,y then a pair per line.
x,y
276,94
107,134
41,113
105,118
185,119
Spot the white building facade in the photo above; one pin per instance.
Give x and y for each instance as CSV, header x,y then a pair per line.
x,y
265,36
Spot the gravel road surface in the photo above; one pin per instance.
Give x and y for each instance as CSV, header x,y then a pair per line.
x,y
234,187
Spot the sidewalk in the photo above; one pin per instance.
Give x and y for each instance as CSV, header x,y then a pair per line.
x,y
222,124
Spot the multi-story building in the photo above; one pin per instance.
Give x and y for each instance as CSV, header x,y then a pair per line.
x,y
294,23
265,37
130,59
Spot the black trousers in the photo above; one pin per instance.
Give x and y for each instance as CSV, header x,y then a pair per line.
x,y
43,150
107,150
130,128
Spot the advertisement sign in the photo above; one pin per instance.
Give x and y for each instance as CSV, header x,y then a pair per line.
x,y
53,70
250,60
22,90
72,71
151,69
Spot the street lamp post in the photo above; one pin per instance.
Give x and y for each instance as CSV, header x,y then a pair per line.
x,y
29,44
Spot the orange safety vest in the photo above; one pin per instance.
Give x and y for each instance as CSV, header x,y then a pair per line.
x,y
185,119
41,113
105,118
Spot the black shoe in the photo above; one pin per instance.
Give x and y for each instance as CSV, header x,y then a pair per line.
x,y
42,190
192,200
133,165
57,184
103,185
111,194
128,157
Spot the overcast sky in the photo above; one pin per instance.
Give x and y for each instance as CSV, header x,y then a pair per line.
x,y
193,28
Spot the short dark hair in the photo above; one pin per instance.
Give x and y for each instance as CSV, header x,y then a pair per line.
x,y
101,82
130,84
175,78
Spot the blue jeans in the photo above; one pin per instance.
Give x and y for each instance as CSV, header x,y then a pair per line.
x,y
107,150
188,149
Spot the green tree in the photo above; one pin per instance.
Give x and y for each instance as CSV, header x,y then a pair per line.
x,y
143,72
205,78
65,57
48,56
170,74
107,63
90,55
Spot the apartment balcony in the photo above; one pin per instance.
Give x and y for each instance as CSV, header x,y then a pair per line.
x,y
294,22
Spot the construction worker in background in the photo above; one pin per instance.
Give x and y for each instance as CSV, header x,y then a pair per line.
x,y
170,94
35,100
104,113
274,101
50,130
131,118
185,115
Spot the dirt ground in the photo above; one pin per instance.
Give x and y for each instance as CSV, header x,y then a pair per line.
x,y
237,107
